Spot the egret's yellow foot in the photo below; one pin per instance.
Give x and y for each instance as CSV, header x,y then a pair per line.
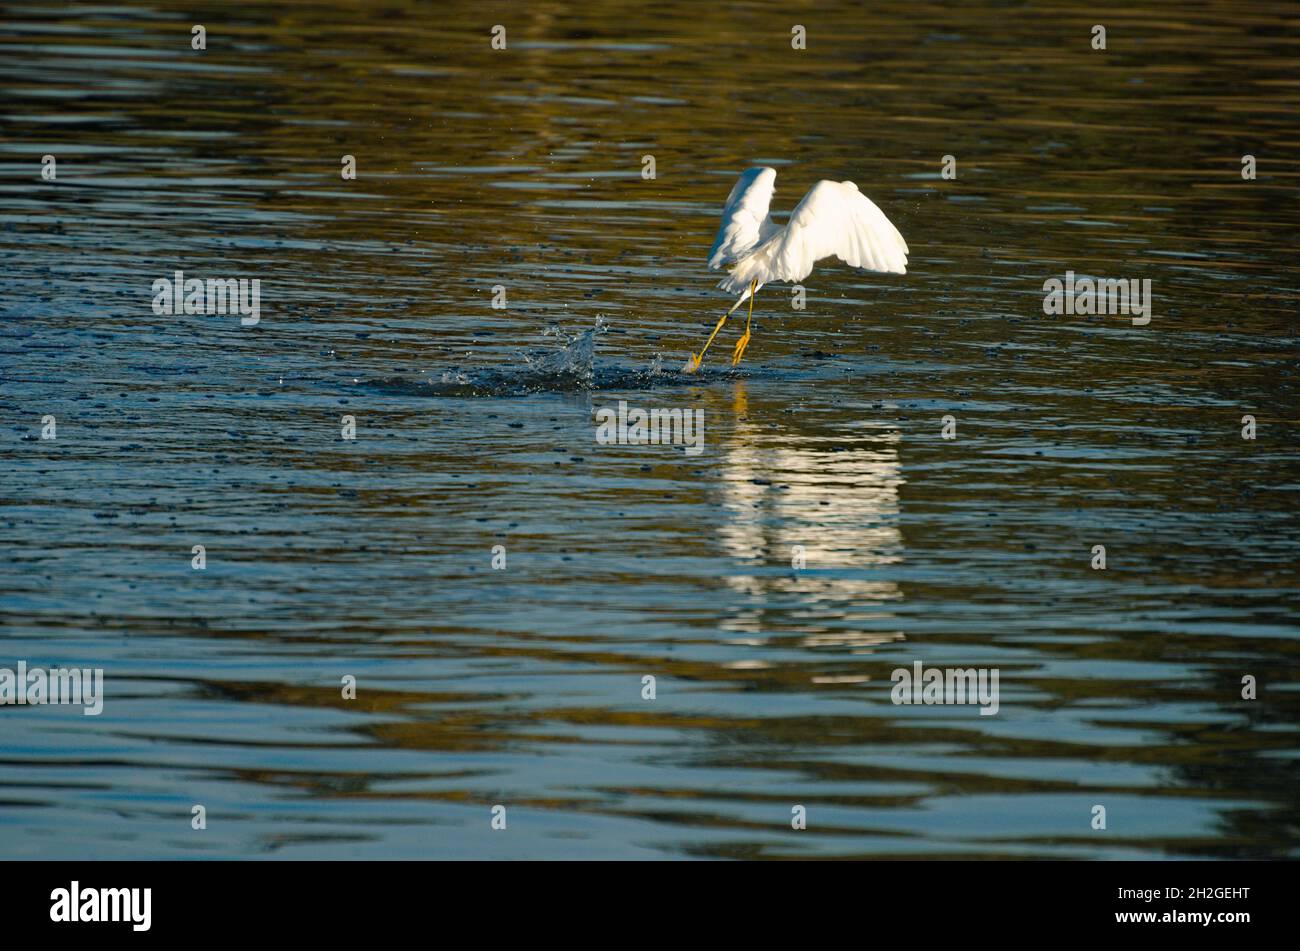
x,y
694,362
741,344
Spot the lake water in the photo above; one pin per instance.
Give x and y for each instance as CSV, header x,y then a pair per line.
x,y
522,168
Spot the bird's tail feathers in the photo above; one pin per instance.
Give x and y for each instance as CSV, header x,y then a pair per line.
x,y
740,277
733,286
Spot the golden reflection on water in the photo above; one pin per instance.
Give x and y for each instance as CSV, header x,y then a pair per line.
x,y
833,506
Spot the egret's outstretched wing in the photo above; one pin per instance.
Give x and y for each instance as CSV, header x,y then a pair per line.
x,y
833,220
744,218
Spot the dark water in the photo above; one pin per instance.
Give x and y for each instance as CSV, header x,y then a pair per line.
x,y
522,687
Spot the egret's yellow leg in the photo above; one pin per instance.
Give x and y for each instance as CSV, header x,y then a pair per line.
x,y
743,342
694,362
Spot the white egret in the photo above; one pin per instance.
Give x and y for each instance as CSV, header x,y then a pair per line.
x,y
833,220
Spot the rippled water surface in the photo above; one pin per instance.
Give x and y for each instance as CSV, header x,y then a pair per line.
x,y
522,168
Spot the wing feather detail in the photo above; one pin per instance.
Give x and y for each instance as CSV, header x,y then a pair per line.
x,y
745,224
833,220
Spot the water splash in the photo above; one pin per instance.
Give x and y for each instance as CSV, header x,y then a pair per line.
x,y
567,366
574,360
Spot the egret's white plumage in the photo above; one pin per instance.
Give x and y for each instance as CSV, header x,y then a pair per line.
x,y
745,223
833,220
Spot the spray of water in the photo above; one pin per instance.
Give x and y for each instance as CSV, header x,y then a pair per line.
x,y
568,364
573,361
